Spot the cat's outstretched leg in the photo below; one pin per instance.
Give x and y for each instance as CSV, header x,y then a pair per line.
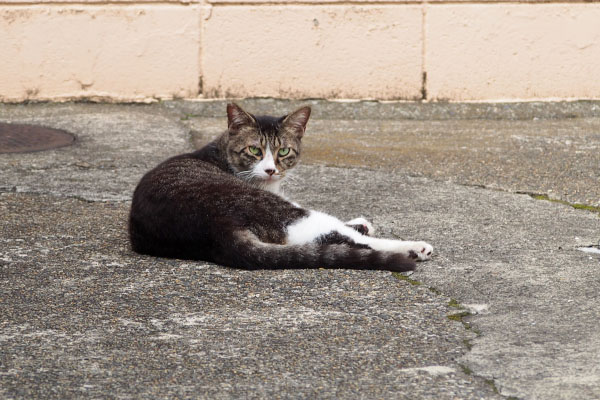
x,y
319,225
416,250
362,226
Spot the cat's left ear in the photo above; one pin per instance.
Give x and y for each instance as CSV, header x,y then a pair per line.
x,y
297,120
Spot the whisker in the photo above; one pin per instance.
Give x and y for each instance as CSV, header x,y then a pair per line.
x,y
292,177
245,175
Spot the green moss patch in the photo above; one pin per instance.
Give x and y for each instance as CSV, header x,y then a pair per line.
x,y
576,206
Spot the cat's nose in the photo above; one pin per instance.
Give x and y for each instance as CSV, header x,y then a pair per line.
x,y
270,171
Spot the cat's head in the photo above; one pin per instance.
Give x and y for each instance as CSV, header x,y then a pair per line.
x,y
261,149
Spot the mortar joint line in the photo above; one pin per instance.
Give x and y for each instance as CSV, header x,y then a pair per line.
x,y
424,95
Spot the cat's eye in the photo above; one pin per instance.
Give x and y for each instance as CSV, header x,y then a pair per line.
x,y
254,150
284,152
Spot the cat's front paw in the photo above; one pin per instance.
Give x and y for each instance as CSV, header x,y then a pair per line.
x,y
420,251
361,225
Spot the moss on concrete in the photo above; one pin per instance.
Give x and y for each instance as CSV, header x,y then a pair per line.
x,y
405,278
576,206
455,304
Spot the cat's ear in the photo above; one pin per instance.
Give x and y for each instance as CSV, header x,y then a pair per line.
x,y
297,120
236,118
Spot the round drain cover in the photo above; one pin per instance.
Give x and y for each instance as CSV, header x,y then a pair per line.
x,y
17,138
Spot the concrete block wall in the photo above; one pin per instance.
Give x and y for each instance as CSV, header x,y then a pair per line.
x,y
141,50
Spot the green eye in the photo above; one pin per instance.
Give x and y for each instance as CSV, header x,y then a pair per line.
x,y
284,152
254,150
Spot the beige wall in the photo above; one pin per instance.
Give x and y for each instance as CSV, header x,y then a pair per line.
x,y
128,50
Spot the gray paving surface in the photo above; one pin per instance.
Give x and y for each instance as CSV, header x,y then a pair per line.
x,y
83,316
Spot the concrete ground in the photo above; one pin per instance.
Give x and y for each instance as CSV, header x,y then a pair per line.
x,y
508,307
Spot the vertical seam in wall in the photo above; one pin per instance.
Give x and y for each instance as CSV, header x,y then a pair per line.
x,y
201,10
424,51
202,4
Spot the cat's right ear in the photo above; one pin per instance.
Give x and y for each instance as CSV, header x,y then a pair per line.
x,y
236,118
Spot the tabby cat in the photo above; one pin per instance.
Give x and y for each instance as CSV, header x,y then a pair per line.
x,y
222,204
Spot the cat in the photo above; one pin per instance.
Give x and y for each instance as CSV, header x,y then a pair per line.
x,y
222,204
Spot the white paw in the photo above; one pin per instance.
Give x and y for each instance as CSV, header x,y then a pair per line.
x,y
420,251
369,230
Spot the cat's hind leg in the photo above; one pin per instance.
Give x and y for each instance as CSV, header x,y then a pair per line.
x,y
362,226
416,250
318,225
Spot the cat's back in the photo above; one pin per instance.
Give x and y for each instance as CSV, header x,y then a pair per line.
x,y
181,174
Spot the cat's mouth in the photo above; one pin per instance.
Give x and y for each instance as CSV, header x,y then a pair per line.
x,y
271,178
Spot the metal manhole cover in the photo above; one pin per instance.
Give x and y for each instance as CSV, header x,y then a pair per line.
x,y
17,138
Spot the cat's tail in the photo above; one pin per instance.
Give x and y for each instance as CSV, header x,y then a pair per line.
x,y
249,252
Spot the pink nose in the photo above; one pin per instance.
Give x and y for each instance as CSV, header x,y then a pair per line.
x,y
270,171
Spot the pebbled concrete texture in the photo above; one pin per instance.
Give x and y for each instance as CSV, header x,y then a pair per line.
x,y
83,316
112,151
